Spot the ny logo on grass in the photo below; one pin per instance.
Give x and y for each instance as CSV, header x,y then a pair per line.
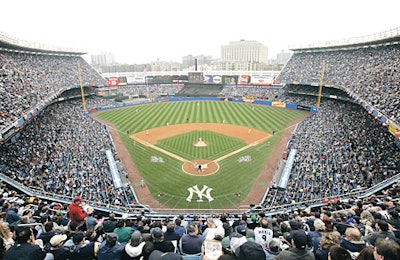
x,y
200,193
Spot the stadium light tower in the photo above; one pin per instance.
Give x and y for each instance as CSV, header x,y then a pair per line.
x,y
320,83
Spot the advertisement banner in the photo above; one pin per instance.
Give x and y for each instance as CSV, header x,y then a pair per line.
x,y
261,80
244,80
229,80
394,130
208,79
278,104
217,79
113,81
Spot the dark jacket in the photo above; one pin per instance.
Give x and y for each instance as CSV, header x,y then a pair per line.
x,y
108,253
25,251
353,246
295,254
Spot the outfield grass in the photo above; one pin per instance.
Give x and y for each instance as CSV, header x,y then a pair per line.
x,y
167,182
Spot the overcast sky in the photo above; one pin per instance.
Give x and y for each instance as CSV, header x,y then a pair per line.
x,y
141,31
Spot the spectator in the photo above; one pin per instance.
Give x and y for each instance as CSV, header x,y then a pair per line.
x,y
80,250
90,220
178,228
250,251
25,247
110,224
191,243
338,253
133,249
352,241
57,249
328,240
263,235
314,237
366,254
170,234
124,233
48,234
159,242
273,249
394,219
6,235
77,213
298,250
382,231
111,248
387,249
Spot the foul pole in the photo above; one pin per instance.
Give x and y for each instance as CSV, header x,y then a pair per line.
x,y
81,86
320,83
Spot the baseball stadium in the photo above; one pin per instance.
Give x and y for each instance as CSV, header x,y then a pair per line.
x,y
320,135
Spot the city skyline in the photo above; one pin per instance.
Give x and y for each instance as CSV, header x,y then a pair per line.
x,y
144,31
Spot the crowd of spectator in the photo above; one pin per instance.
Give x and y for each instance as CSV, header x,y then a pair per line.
x,y
26,80
62,152
359,229
370,73
340,149
260,92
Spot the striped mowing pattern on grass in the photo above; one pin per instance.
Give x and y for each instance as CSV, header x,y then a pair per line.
x,y
168,179
218,145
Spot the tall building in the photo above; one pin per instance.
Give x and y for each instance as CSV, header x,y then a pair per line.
x,y
244,55
202,61
103,59
283,57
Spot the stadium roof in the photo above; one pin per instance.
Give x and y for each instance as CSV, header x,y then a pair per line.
x,y
12,43
382,38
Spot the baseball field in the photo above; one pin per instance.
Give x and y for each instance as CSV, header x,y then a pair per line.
x,y
199,155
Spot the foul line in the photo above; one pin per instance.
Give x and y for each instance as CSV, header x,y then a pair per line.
x,y
187,161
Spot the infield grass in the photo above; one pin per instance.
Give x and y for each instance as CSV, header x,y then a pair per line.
x,y
167,181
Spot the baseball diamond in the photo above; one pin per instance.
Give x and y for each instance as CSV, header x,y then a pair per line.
x,y
240,155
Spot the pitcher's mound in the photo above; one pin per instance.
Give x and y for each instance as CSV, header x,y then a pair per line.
x,y
200,144
200,167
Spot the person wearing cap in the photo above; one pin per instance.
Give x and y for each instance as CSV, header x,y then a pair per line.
x,y
298,249
111,248
57,247
77,213
159,242
253,222
158,255
133,249
251,251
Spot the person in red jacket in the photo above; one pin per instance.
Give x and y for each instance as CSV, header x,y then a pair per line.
x,y
76,212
